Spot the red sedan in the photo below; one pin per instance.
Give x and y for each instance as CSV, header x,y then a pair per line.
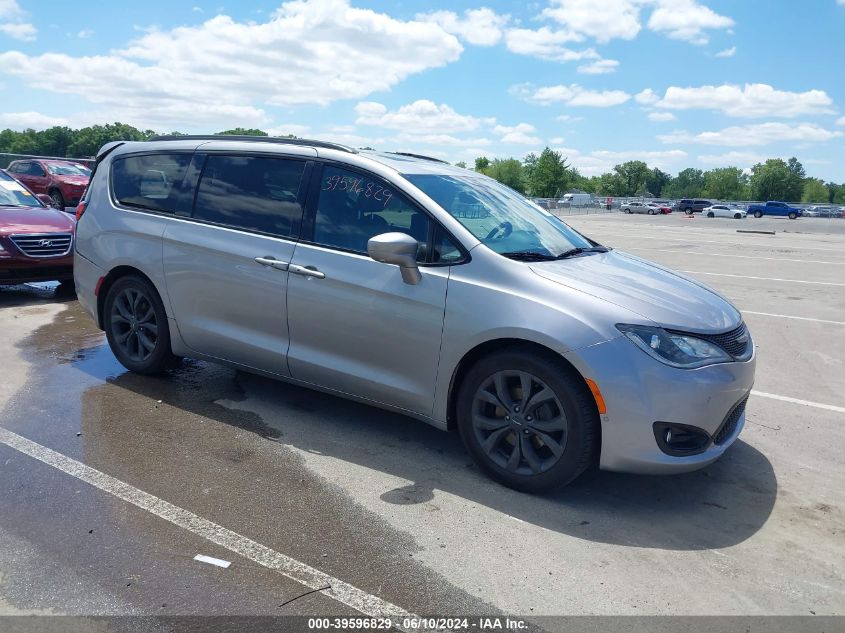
x,y
36,241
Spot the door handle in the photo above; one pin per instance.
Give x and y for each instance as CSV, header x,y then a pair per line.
x,y
306,271
272,262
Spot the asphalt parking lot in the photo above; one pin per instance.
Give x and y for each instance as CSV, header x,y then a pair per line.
x,y
395,508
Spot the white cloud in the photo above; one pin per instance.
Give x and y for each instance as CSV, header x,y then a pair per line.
x,y
739,159
216,72
439,139
284,129
841,121
548,44
12,22
521,134
728,52
573,95
557,140
686,20
661,116
604,20
482,27
758,134
647,97
85,34
598,162
600,67
420,116
24,120
751,100
568,118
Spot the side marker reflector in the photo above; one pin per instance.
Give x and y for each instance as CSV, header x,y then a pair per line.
x,y
594,388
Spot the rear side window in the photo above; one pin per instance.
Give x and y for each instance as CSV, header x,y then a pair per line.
x,y
251,192
150,181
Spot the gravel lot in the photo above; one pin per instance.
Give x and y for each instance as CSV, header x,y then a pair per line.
x,y
394,507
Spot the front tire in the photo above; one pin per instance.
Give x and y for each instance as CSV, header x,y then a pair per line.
x,y
136,326
711,215
688,211
528,422
792,215
737,216
758,214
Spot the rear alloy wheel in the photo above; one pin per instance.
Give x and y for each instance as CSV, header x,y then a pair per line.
x,y
58,200
688,211
136,326
758,214
526,421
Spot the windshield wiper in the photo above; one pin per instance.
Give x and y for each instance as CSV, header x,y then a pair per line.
x,y
578,250
528,256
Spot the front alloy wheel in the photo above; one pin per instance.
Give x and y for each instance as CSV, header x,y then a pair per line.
x,y
519,422
527,419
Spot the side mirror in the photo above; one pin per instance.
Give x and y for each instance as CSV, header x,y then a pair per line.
x,y
43,197
399,249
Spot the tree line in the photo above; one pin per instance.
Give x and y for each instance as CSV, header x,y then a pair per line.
x,y
549,175
545,175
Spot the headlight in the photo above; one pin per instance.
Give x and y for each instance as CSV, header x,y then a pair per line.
x,y
678,350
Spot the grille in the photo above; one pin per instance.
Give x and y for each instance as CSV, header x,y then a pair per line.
x,y
43,244
729,425
735,342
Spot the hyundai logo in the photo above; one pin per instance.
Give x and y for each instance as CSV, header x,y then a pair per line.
x,y
45,243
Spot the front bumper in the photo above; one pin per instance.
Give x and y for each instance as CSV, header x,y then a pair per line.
x,y
640,391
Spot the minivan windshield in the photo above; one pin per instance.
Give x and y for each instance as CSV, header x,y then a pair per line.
x,y
500,217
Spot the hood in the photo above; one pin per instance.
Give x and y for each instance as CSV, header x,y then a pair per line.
x,y
657,294
74,180
34,220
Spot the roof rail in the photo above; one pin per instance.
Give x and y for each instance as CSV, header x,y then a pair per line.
x,y
256,139
436,160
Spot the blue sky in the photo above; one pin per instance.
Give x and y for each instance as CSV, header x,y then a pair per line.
x,y
676,83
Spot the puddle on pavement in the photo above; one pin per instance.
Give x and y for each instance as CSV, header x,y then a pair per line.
x,y
170,436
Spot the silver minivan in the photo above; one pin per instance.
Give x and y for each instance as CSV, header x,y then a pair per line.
x,y
406,283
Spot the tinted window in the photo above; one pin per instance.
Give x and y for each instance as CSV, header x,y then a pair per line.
x,y
36,170
251,192
353,207
18,168
151,181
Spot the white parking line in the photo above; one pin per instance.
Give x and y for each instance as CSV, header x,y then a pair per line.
x,y
700,254
806,403
369,605
795,281
789,316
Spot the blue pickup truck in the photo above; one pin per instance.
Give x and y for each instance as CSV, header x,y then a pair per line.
x,y
774,208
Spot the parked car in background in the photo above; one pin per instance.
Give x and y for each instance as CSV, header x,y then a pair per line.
x,y
546,350
692,205
637,207
724,211
661,207
773,207
36,241
64,181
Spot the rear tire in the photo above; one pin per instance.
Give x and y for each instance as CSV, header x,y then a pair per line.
x,y
533,442
136,326
58,199
758,214
688,211
711,215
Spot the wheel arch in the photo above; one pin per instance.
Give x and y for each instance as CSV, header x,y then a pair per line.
x,y
118,272
471,357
